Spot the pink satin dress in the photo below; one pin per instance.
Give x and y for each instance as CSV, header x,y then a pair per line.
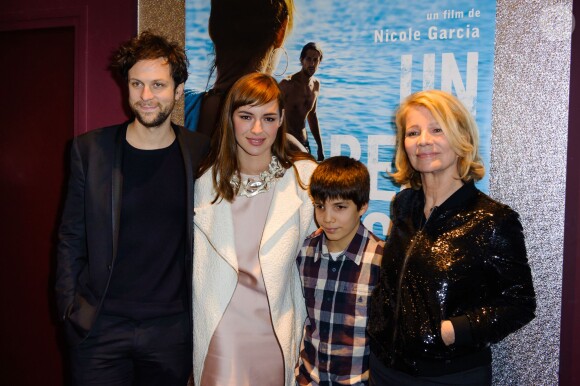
x,y
244,350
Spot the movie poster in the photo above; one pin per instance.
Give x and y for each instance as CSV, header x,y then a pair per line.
x,y
376,53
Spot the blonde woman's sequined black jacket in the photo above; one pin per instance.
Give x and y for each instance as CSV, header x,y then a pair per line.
x,y
465,263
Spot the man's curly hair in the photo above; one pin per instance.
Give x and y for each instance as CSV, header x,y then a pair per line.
x,y
148,45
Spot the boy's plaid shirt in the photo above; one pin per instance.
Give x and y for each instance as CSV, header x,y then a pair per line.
x,y
335,349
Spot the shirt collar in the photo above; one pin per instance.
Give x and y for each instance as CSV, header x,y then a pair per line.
x,y
457,199
353,252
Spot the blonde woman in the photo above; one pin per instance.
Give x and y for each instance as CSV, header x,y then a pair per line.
x,y
454,275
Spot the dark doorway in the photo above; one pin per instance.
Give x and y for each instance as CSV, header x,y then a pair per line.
x,y
36,123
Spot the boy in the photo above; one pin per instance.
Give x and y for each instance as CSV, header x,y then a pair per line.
x,y
339,266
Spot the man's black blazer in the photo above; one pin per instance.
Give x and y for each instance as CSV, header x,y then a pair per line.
x,y
89,229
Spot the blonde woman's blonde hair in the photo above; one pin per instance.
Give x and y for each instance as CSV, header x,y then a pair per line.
x,y
459,127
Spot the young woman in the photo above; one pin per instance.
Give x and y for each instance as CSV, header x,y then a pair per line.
x,y
252,214
454,276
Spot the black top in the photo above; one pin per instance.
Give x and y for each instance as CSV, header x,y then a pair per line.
x,y
148,277
466,263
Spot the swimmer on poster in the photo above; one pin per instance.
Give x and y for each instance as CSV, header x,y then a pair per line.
x,y
301,96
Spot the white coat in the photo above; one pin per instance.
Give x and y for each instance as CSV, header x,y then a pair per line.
x,y
215,266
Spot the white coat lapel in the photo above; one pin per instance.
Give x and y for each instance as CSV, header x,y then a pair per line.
x,y
284,205
214,221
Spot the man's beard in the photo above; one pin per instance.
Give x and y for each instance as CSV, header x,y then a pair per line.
x,y
157,120
309,72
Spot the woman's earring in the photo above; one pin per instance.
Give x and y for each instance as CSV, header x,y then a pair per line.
x,y
275,54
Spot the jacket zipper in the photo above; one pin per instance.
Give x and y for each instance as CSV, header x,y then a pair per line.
x,y
400,283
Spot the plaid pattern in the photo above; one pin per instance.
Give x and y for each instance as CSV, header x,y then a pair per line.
x,y
335,349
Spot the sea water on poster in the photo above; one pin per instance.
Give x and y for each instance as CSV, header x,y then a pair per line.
x,y
376,53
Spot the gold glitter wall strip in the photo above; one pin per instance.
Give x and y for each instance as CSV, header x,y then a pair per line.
x,y
528,158
166,17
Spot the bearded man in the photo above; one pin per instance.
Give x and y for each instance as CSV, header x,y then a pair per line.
x,y
125,240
